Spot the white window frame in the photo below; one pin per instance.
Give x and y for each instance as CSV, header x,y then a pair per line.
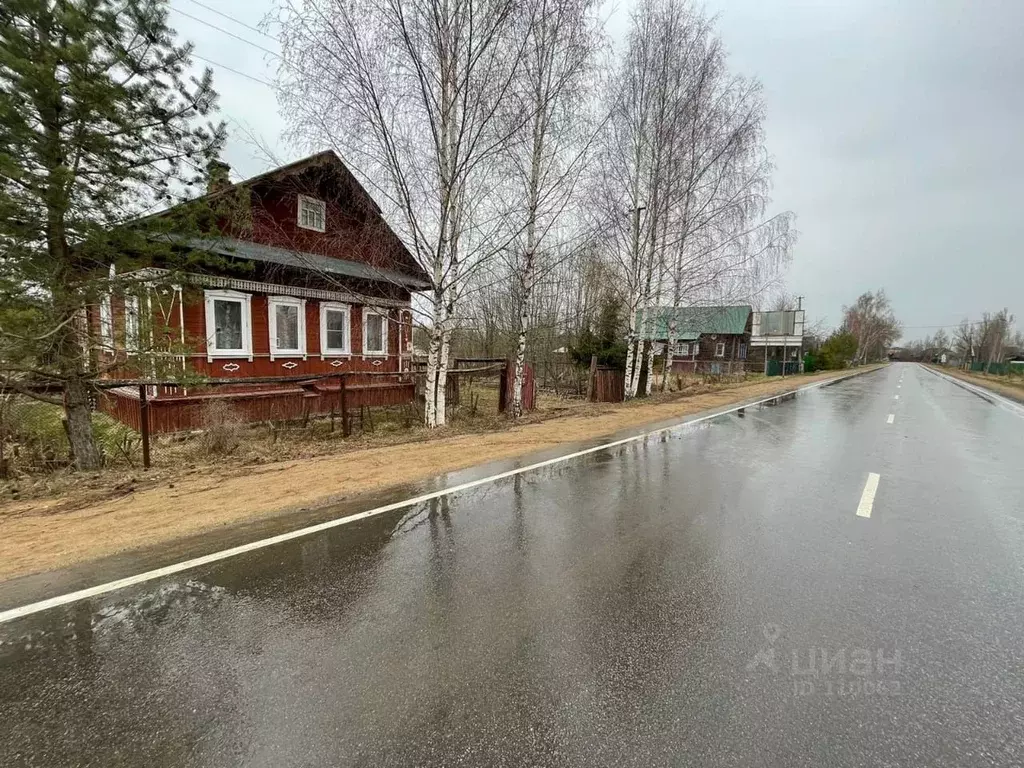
x,y
316,203
695,349
131,323
682,349
720,349
367,311
245,299
743,352
106,322
346,310
273,302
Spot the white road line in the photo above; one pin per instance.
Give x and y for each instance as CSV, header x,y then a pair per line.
x,y
896,397
891,419
197,562
1013,407
867,498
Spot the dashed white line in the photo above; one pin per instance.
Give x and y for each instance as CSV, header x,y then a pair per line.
x,y
867,498
891,419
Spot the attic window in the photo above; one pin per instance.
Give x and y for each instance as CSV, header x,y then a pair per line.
x,y
312,213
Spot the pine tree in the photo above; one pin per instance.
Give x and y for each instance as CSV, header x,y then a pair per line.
x,y
100,124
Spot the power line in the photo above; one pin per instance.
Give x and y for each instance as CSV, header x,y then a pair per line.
x,y
232,69
275,54
257,30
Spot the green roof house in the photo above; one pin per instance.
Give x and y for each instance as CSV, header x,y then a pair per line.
x,y
712,339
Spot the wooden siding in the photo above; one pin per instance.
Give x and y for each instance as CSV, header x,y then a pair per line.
x,y
354,229
313,364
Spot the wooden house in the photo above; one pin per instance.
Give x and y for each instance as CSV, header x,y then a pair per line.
x,y
307,279
713,339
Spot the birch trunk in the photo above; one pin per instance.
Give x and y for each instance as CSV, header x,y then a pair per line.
x,y
520,364
530,257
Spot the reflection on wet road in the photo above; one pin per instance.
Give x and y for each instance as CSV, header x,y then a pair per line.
x,y
708,596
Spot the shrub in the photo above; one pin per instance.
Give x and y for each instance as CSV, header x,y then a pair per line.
x,y
222,425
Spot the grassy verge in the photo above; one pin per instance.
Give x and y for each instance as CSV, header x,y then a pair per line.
x,y
1010,386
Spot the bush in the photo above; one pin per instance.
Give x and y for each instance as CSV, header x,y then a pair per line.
x,y
837,351
222,427
34,436
605,342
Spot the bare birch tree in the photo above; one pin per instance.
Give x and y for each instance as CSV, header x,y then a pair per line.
x,y
548,160
414,95
686,153
872,322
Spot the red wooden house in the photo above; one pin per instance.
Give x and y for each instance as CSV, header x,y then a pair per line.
x,y
309,280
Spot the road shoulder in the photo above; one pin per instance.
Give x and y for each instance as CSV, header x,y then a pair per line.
x,y
1010,392
35,538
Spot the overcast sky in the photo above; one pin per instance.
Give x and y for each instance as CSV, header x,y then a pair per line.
x,y
895,125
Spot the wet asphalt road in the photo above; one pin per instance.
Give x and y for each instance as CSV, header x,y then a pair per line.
x,y
704,597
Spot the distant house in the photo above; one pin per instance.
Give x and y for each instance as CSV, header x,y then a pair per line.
x,y
713,339
311,280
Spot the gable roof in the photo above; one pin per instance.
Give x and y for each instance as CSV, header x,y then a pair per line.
x,y
693,322
413,274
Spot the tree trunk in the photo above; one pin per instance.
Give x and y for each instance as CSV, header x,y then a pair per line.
x,y
441,396
84,449
435,362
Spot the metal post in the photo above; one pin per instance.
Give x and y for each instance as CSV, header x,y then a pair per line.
x,y
344,405
144,424
591,380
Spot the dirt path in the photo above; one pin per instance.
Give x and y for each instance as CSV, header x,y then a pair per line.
x,y
37,536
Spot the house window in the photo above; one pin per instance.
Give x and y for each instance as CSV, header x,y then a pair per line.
x,y
312,213
287,326
720,349
228,324
131,323
682,348
375,333
335,334
106,322
695,349
743,352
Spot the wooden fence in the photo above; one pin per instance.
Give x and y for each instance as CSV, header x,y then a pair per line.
x,y
608,386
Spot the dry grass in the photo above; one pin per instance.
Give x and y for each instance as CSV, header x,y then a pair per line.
x,y
1010,386
89,521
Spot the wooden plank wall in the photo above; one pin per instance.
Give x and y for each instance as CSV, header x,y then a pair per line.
x,y
186,413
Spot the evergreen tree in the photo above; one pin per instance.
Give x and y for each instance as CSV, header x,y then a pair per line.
x,y
100,124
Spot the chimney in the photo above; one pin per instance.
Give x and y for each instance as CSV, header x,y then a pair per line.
x,y
218,176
